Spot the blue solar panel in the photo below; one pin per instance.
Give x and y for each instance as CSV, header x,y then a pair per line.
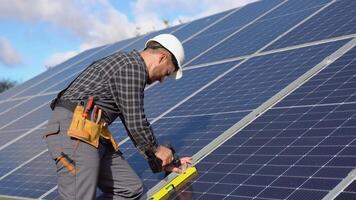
x,y
31,180
208,126
260,33
190,144
163,96
292,151
8,104
242,16
202,75
198,25
252,83
202,118
295,6
300,149
24,107
21,151
226,26
336,20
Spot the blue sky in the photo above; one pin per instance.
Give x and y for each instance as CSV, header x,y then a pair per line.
x,y
35,34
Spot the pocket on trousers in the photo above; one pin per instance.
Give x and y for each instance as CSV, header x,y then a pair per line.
x,y
53,139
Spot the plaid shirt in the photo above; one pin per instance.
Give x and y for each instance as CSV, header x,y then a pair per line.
x,y
117,83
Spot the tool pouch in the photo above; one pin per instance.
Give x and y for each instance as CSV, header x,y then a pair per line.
x,y
83,129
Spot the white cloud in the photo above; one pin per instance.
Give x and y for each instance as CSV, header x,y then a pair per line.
x,y
93,22
58,58
151,9
8,54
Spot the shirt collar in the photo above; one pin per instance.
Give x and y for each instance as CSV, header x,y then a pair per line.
x,y
141,62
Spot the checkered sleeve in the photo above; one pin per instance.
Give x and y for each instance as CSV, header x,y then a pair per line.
x,y
127,87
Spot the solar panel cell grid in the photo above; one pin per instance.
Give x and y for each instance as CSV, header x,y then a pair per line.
x,y
315,165
32,180
24,107
201,126
198,25
7,136
225,27
253,82
295,6
336,20
162,97
244,15
30,120
6,105
21,151
258,34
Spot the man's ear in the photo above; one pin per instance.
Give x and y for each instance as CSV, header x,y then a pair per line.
x,y
162,57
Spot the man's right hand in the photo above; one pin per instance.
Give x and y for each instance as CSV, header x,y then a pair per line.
x,y
186,161
165,154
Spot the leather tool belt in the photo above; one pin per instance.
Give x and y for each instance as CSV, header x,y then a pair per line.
x,y
86,130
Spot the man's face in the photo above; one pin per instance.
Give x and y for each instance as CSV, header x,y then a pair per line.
x,y
163,67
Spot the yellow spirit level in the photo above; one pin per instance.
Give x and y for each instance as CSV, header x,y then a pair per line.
x,y
175,184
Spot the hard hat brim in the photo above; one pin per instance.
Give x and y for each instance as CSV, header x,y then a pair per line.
x,y
177,74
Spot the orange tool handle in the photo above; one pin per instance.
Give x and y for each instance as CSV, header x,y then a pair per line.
x,y
66,164
88,106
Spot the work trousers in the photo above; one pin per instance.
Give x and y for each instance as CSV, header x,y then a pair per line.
x,y
82,167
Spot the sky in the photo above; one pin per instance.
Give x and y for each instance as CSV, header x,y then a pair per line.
x,y
38,34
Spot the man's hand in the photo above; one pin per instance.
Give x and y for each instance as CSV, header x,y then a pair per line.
x,y
165,154
186,161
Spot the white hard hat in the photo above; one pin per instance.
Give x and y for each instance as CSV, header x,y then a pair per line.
x,y
173,45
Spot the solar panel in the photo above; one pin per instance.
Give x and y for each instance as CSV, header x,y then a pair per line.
x,y
162,98
23,183
200,24
338,19
28,106
13,91
261,32
201,119
12,156
296,150
227,26
240,62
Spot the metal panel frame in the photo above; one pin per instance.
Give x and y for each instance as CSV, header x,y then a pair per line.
x,y
341,186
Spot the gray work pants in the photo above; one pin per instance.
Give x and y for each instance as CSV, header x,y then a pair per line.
x,y
102,166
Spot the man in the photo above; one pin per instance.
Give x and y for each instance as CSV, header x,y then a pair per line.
x,y
85,153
